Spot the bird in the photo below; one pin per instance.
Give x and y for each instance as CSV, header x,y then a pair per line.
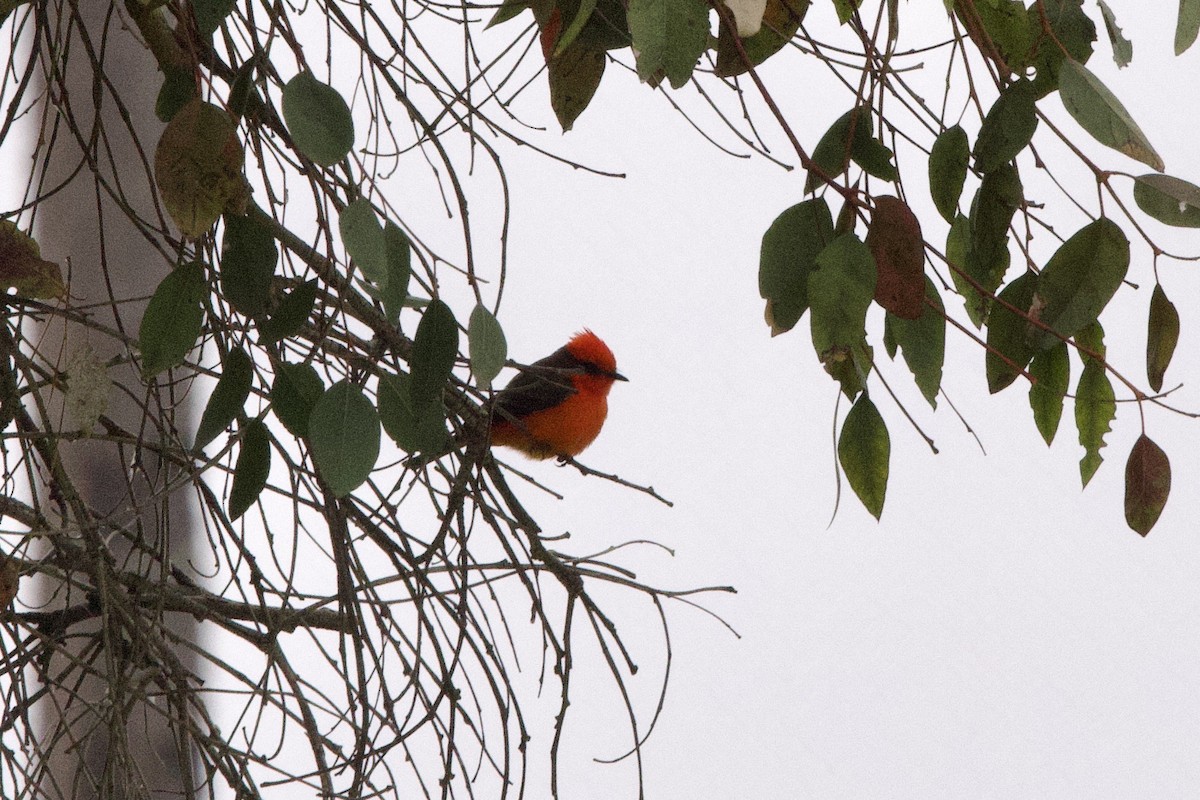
x,y
557,405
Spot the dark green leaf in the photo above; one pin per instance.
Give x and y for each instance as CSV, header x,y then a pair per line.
x,y
948,170
1122,47
574,77
343,435
413,429
252,469
173,318
248,258
243,97
1168,199
579,19
1100,113
850,138
399,265
1008,127
781,20
508,10
1161,337
363,236
1095,407
1051,371
489,349
296,389
294,310
1009,28
958,246
1072,29
1080,279
668,35
1187,26
840,291
789,251
228,398
1000,195
318,119
178,87
923,341
864,450
435,347
210,14
1008,333
1147,484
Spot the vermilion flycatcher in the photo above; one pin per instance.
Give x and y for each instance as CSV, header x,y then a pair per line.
x,y
557,406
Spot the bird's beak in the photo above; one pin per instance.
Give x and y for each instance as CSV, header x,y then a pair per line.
x,y
616,376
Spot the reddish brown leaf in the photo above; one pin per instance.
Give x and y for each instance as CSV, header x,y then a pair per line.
x,y
895,240
1147,484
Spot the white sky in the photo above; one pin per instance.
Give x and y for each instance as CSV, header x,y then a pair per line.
x,y
1000,633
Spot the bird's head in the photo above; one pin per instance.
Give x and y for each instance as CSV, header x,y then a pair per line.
x,y
597,363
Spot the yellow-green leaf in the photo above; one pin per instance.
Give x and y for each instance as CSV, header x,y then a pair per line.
x,y
1161,337
1100,113
198,167
864,451
23,268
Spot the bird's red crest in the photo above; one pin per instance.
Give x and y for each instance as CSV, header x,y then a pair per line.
x,y
587,346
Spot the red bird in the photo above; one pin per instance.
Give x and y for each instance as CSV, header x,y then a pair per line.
x,y
557,406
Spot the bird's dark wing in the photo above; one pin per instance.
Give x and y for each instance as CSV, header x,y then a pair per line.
x,y
544,384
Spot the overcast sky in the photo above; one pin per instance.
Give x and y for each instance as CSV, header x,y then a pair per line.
x,y
1000,633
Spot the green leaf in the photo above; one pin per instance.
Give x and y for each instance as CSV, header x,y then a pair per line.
x,y
489,349
173,318
1188,25
850,138
958,246
840,291
1169,200
668,35
789,251
318,119
198,167
864,450
509,9
1051,371
399,265
435,346
414,429
948,163
1161,337
1000,195
1008,127
781,20
210,14
572,31
1147,484
1073,30
343,435
178,87
252,469
1095,408
1079,280
1122,47
1091,338
248,259
294,393
294,310
1008,333
228,398
574,77
363,236
845,9
243,96
895,241
923,342
1100,113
